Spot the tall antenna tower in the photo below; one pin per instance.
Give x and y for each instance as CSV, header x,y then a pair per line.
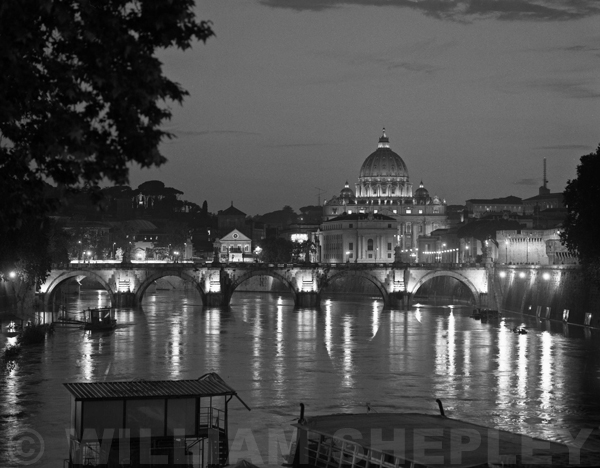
x,y
544,190
320,191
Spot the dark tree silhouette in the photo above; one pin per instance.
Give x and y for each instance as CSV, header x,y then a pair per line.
x,y
82,95
581,228
485,229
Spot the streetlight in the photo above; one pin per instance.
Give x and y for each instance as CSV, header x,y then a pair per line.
x,y
176,254
114,251
348,256
12,274
443,252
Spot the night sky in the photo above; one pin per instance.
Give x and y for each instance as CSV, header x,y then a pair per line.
x,y
290,97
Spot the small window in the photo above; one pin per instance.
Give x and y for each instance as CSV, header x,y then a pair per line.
x,y
389,225
370,244
351,225
374,211
370,255
420,211
389,255
395,211
351,246
389,246
408,211
349,211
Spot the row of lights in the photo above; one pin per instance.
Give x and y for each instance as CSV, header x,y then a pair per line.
x,y
437,252
522,274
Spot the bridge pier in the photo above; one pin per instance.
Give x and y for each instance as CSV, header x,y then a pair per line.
x,y
308,299
124,299
398,300
214,299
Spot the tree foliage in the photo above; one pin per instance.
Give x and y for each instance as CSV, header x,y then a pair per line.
x,y
83,95
485,229
581,228
276,250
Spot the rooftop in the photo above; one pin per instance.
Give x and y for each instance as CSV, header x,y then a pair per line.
x,y
208,385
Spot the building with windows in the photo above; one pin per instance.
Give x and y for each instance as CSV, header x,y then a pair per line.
x,y
234,247
384,188
479,207
358,238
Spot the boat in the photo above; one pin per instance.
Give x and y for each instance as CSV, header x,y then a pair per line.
x,y
100,319
389,440
476,314
165,423
13,328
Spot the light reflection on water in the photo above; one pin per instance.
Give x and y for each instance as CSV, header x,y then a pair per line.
x,y
334,360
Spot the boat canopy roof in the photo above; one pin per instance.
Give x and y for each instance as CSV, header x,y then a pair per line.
x,y
208,385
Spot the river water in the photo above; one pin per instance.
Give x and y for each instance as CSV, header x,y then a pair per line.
x,y
337,359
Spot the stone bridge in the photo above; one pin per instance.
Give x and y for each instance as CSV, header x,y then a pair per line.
x,y
397,283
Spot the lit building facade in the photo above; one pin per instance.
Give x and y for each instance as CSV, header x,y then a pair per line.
x,y
234,247
384,188
358,238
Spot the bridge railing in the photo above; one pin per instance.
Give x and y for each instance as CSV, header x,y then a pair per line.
x,y
96,264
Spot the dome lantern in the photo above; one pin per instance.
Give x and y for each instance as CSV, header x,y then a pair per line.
x,y
384,141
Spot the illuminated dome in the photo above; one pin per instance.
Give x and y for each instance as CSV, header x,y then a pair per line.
x,y
347,192
384,176
421,192
384,163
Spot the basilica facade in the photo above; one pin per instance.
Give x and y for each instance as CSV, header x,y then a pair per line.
x,y
390,215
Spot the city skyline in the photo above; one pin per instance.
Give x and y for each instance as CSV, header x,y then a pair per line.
x,y
290,97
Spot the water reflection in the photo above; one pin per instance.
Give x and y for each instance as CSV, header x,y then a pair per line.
x,y
334,359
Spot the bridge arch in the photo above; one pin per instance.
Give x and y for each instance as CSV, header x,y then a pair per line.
x,y
237,281
66,275
362,274
144,285
463,279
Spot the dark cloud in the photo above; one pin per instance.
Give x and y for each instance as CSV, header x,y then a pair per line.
x,y
576,89
564,147
212,132
394,64
464,10
527,182
295,145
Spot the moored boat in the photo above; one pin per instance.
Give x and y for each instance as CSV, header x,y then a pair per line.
x,y
13,328
100,319
388,440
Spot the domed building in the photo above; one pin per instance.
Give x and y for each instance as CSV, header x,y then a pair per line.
x,y
383,188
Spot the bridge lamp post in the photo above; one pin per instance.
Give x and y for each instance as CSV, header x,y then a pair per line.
x,y
506,245
114,252
176,255
348,256
443,252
